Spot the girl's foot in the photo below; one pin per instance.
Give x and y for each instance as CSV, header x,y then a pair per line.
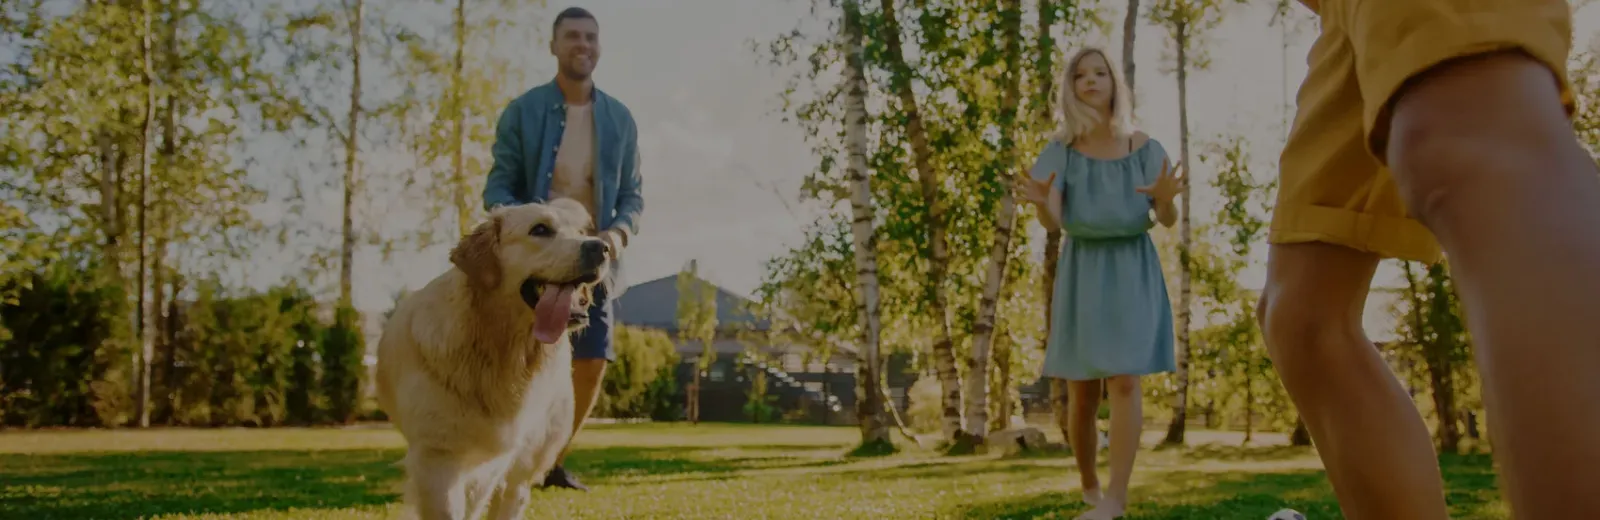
x,y
1091,496
1106,510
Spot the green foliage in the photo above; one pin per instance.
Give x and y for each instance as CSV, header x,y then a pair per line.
x,y
1188,21
924,413
64,331
642,381
343,348
697,313
456,80
760,406
956,67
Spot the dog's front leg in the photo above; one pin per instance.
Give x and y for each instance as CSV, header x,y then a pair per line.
x,y
436,487
513,496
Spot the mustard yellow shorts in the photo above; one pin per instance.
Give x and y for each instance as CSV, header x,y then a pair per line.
x,y
1333,186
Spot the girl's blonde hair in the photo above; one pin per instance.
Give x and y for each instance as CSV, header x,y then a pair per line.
x,y
1077,118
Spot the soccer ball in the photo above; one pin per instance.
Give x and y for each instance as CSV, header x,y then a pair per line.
x,y
1287,514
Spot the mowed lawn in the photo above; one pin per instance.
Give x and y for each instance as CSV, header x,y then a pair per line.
x,y
657,471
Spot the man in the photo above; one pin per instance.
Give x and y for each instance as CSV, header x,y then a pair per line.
x,y
567,138
1426,125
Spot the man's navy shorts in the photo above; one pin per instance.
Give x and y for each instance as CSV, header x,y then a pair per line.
x,y
594,341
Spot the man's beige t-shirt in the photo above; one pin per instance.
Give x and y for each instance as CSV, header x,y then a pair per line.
x,y
574,170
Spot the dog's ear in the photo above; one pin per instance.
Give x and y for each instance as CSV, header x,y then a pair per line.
x,y
477,254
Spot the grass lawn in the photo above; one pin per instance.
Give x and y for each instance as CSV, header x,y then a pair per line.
x,y
657,471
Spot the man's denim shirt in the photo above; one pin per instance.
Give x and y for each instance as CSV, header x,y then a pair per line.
x,y
526,139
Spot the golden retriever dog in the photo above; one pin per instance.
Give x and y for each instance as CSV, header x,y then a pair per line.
x,y
475,369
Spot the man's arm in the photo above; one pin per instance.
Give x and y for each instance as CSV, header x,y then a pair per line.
x,y
630,198
506,177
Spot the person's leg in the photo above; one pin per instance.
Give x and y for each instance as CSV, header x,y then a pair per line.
x,y
1483,150
1470,108
1127,423
1084,404
591,353
1377,451
1337,214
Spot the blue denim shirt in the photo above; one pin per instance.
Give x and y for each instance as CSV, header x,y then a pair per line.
x,y
526,139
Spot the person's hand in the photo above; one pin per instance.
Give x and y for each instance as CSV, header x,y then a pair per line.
x,y
613,240
1035,191
1173,180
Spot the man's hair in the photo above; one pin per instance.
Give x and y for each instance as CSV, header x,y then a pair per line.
x,y
572,13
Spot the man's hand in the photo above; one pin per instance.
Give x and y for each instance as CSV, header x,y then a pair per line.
x,y
613,240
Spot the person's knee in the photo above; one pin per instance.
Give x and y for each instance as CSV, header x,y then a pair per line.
x,y
1123,387
1084,398
1310,311
1471,121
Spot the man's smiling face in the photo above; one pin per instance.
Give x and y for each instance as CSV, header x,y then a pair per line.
x,y
576,46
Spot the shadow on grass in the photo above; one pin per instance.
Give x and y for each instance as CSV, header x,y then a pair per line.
x,y
143,484
659,464
1469,480
1235,453
129,485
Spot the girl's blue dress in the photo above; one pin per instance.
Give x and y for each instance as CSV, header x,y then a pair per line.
x,y
1111,314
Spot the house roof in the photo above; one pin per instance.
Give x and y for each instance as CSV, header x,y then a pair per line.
x,y
654,304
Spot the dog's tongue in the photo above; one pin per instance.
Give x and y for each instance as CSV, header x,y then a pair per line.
x,y
551,313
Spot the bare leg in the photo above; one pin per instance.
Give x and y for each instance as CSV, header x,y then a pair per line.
x,y
586,377
1127,422
1484,154
436,485
1084,403
1373,443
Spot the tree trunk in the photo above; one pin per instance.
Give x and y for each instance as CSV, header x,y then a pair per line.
x,y
1000,252
1130,29
1052,239
163,207
1001,389
110,187
1249,405
458,114
694,396
1180,414
869,398
347,249
944,357
143,315
1436,349
1059,399
170,343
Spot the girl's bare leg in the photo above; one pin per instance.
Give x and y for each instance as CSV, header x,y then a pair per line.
x,y
1085,403
1127,423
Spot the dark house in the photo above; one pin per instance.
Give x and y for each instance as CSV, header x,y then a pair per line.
x,y
800,386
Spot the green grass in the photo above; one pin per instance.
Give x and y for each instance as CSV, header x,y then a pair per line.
x,y
657,471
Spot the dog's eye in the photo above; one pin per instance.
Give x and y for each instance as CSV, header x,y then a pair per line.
x,y
541,230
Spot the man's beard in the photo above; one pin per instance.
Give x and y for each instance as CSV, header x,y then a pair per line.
x,y
574,74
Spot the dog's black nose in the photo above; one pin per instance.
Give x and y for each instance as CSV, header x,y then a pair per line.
x,y
595,252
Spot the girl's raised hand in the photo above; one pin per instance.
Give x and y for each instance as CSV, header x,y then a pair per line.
x,y
1035,191
1171,182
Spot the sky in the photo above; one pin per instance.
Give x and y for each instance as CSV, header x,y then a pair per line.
x,y
722,171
